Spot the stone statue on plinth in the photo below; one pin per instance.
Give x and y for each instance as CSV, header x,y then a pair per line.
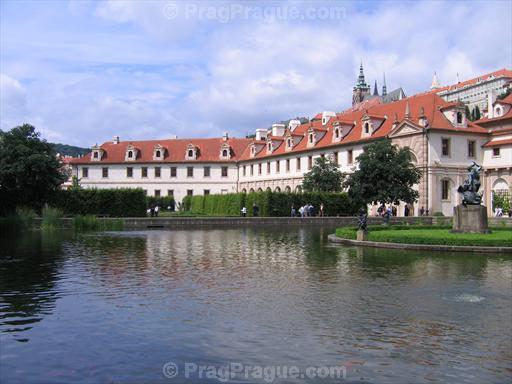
x,y
362,224
469,189
470,216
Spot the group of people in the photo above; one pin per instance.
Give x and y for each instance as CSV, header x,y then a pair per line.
x,y
392,210
499,212
153,210
255,210
307,210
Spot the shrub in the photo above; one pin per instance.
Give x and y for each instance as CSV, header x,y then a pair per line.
x,y
269,203
92,223
120,202
50,217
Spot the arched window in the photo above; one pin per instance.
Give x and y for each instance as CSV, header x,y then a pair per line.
x,y
96,155
158,153
459,117
278,189
190,153
366,127
289,142
287,189
130,154
270,146
225,153
337,133
311,137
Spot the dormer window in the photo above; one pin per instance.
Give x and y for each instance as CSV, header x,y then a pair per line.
x,y
269,147
311,138
158,152
225,151
498,111
289,143
131,153
459,117
191,153
337,133
366,128
96,153
253,150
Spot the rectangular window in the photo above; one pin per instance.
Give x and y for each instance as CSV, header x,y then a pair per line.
x,y
129,172
206,192
445,147
173,171
287,165
471,148
85,172
298,163
350,156
278,166
145,191
170,192
206,172
190,192
335,157
310,162
144,171
245,170
268,167
157,193
252,169
259,169
224,171
158,172
104,172
496,152
445,185
190,171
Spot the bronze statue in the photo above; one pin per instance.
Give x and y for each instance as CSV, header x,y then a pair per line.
x,y
362,220
471,186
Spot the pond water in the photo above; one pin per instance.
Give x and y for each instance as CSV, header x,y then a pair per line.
x,y
245,306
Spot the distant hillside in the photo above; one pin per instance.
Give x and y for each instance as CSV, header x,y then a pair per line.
x,y
69,150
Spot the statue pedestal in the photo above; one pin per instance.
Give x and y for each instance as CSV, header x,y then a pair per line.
x,y
362,235
470,218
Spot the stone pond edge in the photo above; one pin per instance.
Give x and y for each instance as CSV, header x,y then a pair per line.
x,y
419,247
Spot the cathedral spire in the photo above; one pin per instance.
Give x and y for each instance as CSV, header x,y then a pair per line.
x,y
375,90
361,83
435,82
384,89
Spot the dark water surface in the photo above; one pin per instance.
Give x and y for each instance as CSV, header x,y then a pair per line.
x,y
116,307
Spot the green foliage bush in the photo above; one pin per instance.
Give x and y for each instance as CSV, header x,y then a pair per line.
x,y
50,217
122,202
269,203
92,223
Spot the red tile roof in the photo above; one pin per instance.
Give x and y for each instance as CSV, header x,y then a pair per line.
x,y
499,73
430,103
497,143
208,151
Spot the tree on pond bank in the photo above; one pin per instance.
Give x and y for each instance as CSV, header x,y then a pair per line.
x,y
29,169
385,175
323,177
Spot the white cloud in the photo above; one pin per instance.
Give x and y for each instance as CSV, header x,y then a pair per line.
x,y
94,70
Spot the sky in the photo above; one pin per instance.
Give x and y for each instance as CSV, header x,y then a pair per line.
x,y
85,71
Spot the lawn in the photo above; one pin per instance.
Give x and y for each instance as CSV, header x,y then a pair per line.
x,y
432,235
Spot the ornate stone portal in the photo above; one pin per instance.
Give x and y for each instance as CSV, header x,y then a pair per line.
x,y
471,216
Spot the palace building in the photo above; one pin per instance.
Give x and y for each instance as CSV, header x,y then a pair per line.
x,y
443,142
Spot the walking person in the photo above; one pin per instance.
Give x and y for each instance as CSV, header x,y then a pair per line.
x,y
321,213
244,211
293,213
406,210
255,210
157,209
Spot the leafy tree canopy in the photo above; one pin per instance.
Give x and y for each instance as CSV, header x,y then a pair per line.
x,y
29,170
386,174
323,177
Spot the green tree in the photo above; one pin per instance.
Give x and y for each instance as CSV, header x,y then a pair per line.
x,y
386,175
323,177
29,169
469,115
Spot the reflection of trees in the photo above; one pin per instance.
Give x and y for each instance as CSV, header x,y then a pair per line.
x,y
29,268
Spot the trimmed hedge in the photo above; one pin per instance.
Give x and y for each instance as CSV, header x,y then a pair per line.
x,y
270,203
122,202
437,235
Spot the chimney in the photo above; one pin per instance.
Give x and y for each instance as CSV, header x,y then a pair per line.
x,y
116,140
490,102
278,129
225,136
261,134
293,124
